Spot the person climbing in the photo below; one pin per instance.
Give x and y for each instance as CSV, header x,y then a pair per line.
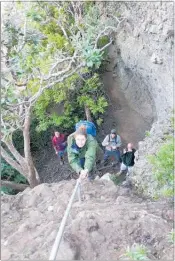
x,y
127,159
112,144
59,144
82,149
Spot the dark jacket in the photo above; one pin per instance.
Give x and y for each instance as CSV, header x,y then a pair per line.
x,y
128,158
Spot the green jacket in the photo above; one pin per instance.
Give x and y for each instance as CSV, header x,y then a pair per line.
x,y
88,152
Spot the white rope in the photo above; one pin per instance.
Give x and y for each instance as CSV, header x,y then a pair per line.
x,y
57,242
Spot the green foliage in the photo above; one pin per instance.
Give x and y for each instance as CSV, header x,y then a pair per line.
x,y
118,179
92,57
38,140
163,168
118,14
10,174
104,40
60,98
171,237
7,190
172,122
136,252
99,121
39,35
147,134
88,5
92,96
45,41
70,102
115,179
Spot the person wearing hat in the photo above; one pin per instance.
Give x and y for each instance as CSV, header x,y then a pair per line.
x,y
112,143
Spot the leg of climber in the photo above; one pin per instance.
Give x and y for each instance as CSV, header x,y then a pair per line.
x,y
106,157
117,155
61,157
129,172
123,167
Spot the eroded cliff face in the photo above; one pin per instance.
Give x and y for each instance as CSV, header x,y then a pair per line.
x,y
143,63
142,67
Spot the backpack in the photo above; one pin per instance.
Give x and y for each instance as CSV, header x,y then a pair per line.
x,y
90,127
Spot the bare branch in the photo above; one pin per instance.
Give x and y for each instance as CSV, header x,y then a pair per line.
x,y
59,61
63,71
15,153
102,33
61,79
104,47
12,162
116,18
77,7
64,31
24,35
10,184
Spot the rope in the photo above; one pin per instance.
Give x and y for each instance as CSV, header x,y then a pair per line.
x,y
57,242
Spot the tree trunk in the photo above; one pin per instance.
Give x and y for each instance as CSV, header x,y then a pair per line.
x,y
32,172
88,113
24,165
12,162
19,187
16,154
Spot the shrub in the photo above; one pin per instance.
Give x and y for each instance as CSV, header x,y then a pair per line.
x,y
118,179
147,134
171,237
163,168
38,139
10,174
89,92
136,252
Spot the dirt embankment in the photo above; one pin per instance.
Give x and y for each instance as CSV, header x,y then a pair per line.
x,y
100,228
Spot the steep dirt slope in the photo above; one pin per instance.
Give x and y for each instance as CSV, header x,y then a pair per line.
x,y
101,227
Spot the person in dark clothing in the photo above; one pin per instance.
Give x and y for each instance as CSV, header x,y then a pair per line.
x,y
127,159
59,144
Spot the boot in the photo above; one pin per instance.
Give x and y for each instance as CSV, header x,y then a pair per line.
x,y
105,162
119,173
61,161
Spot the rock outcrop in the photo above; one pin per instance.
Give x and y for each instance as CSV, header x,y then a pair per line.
x,y
100,228
143,63
142,66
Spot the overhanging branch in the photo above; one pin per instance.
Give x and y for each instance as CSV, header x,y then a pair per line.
x,y
61,79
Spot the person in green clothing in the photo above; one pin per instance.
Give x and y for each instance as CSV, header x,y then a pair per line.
x,y
82,149
127,159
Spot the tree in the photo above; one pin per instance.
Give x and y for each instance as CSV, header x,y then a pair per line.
x,y
73,100
43,45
